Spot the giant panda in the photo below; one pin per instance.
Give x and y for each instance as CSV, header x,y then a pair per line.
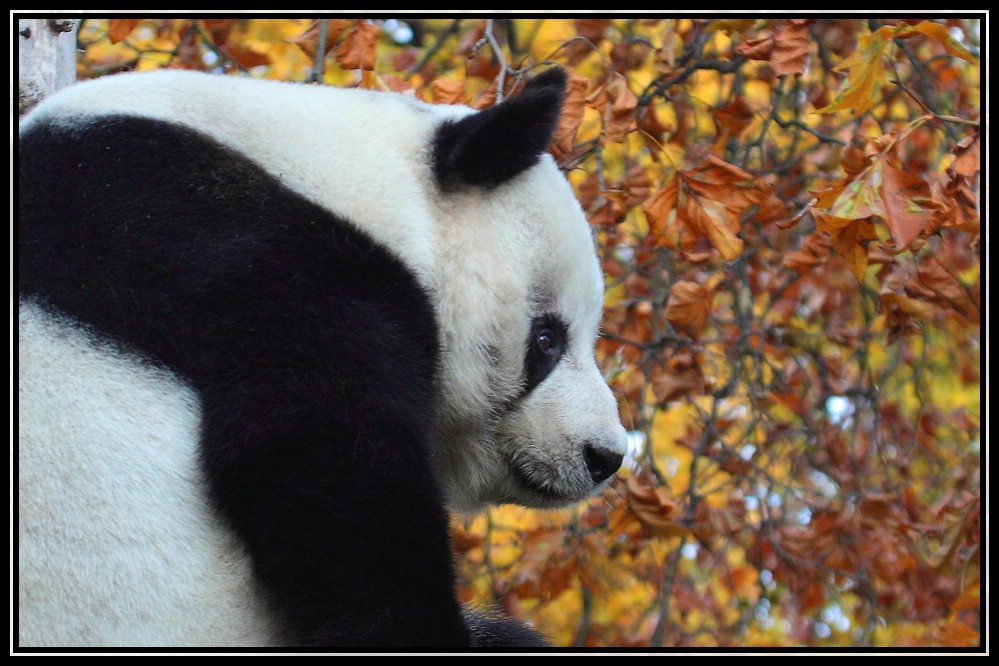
x,y
270,335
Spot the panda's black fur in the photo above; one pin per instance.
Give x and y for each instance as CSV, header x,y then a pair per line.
x,y
296,330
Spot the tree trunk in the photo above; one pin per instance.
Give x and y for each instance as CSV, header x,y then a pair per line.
x,y
46,58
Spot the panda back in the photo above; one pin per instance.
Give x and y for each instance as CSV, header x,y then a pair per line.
x,y
258,365
117,543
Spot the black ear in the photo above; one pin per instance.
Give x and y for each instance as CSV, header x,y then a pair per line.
x,y
492,146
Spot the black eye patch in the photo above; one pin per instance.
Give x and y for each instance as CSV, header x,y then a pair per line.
x,y
546,343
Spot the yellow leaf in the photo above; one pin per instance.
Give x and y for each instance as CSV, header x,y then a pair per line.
x,y
941,34
730,25
865,74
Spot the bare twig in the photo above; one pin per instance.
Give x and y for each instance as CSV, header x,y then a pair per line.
x,y
926,107
926,87
505,68
319,64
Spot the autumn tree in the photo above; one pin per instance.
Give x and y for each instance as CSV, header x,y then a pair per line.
x,y
788,214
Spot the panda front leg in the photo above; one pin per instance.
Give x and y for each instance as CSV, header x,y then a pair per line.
x,y
345,525
345,535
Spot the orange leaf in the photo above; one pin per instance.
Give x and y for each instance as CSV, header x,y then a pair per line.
x,y
957,634
899,305
771,208
899,192
877,506
717,170
119,29
814,251
572,112
947,289
712,220
969,598
651,130
743,577
591,29
661,212
760,48
620,116
357,51
732,196
854,157
792,47
967,156
462,541
592,32
850,237
682,375
218,29
308,40
447,91
688,308
734,116
245,57
653,508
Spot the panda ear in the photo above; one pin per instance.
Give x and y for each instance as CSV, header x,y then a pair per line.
x,y
492,146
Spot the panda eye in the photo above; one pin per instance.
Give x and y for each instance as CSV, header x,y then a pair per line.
x,y
545,340
545,347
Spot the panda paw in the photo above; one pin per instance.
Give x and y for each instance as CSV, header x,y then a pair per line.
x,y
494,630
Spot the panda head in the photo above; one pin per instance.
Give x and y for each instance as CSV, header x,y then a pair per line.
x,y
525,415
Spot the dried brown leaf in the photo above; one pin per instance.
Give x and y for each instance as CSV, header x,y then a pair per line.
x,y
850,237
688,307
357,50
900,193
245,57
967,156
620,117
308,40
758,48
792,46
572,112
119,29
680,376
661,212
218,29
654,509
734,116
447,91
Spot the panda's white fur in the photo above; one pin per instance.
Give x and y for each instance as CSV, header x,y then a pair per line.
x,y
117,545
107,442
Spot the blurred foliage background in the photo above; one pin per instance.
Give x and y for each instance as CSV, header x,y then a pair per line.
x,y
787,211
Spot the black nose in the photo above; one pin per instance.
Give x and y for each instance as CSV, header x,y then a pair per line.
x,y
601,462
